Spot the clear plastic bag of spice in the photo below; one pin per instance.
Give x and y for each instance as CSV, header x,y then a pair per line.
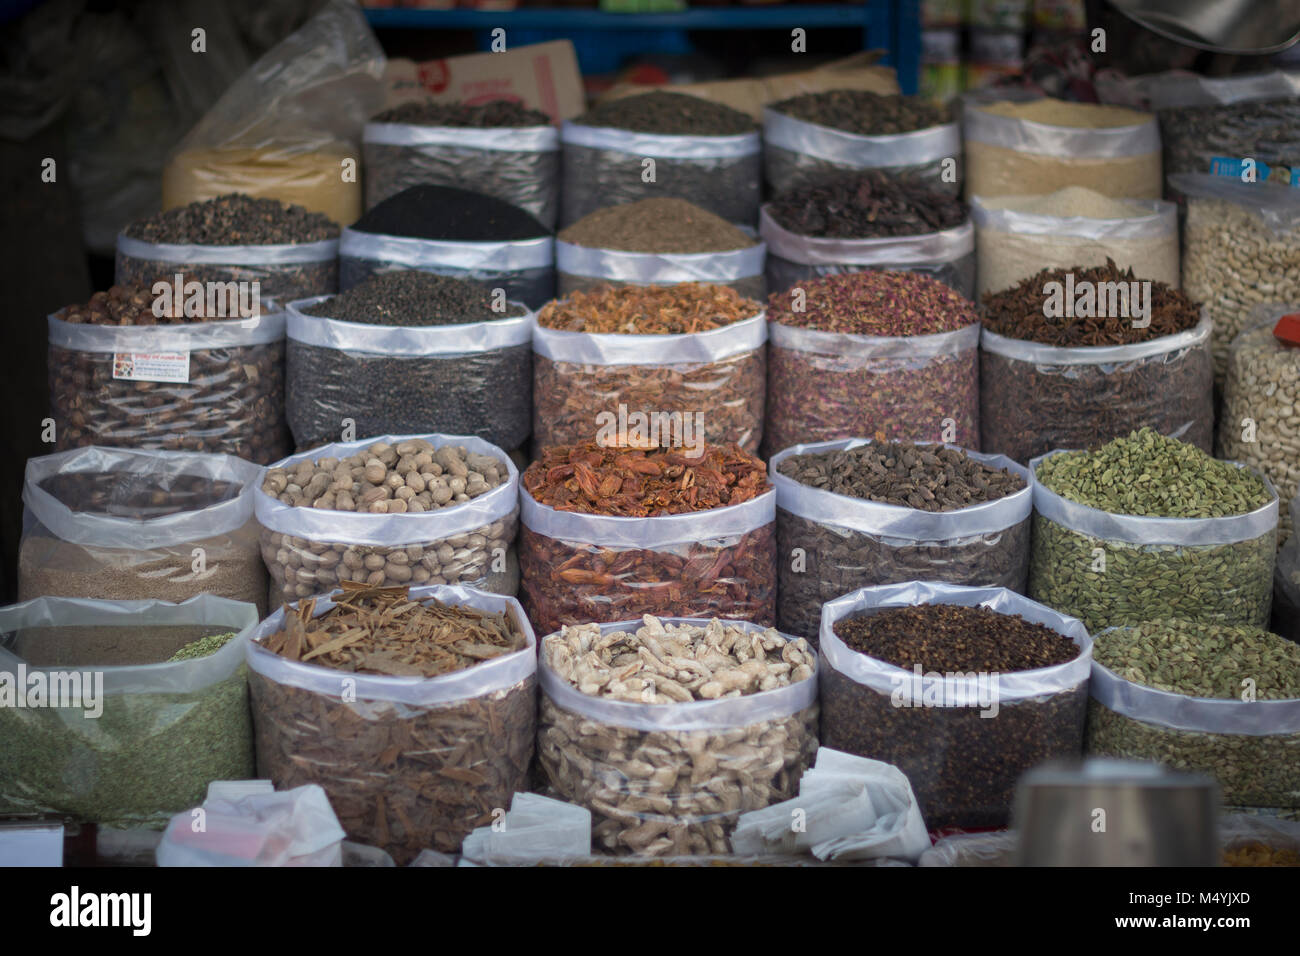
x,y
578,268
581,568
1012,244
125,524
972,849
1036,398
1112,569
830,544
672,779
962,739
826,386
518,164
523,268
1252,748
205,386
1241,249
1204,119
715,378
469,379
1014,156
607,167
797,152
947,255
308,551
282,272
134,743
408,762
1260,421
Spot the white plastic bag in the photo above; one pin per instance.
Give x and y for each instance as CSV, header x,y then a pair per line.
x,y
604,166
282,272
579,267
408,762
1035,398
382,377
849,543
963,761
524,268
712,759
1224,215
536,828
719,375
1211,569
470,541
226,396
1012,244
520,164
1251,747
289,828
1007,156
163,731
827,386
86,533
947,255
580,568
797,152
972,849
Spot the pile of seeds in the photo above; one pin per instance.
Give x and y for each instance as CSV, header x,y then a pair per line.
x,y
649,310
234,220
410,298
1204,660
873,303
676,114
384,631
1029,406
823,389
1107,581
130,495
928,478
865,205
412,476
949,638
494,113
1200,659
686,662
663,225
864,112
1148,474
447,213
963,761
631,483
131,304
203,647
483,392
1021,311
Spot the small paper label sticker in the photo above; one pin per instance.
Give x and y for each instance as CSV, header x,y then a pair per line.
x,y
152,366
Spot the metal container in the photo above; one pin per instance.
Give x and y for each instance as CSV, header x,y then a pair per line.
x,y
1105,812
1224,26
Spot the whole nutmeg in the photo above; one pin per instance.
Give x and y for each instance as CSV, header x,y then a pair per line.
x,y
375,472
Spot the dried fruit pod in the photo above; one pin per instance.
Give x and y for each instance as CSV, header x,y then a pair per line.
x,y
830,544
576,568
962,740
407,763
671,779
225,395
716,379
469,543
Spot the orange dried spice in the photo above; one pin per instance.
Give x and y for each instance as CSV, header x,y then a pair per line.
x,y
384,631
1260,854
636,483
649,310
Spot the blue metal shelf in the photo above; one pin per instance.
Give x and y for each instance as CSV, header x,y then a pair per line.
x,y
892,25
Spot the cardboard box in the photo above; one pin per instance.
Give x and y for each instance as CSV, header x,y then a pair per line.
x,y
857,72
544,76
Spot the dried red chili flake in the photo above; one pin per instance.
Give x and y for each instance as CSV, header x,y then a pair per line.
x,y
873,303
635,483
649,310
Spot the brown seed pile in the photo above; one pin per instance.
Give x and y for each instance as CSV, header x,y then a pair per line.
x,y
131,304
928,478
664,225
649,310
